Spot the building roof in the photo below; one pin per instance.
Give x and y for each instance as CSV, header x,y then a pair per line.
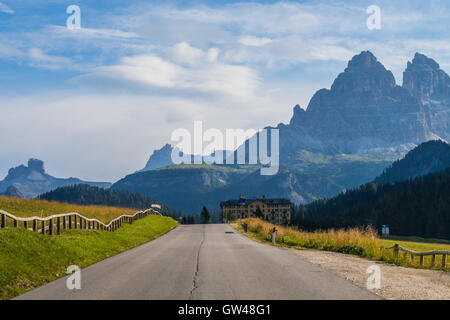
x,y
246,202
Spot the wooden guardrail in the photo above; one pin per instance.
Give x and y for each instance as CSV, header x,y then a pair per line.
x,y
412,254
71,220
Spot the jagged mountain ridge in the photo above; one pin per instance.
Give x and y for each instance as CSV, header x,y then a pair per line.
x,y
32,180
365,112
346,137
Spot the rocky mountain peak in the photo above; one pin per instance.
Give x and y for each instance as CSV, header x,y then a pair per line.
x,y
160,158
364,74
422,62
424,79
36,165
299,114
364,61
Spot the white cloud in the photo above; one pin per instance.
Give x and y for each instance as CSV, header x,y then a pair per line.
x,y
5,9
34,57
89,33
42,60
183,53
254,41
190,69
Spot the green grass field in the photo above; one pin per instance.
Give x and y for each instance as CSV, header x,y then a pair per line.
x,y
29,259
417,239
418,247
41,208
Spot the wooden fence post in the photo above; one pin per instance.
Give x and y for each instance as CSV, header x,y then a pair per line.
x,y
396,249
43,227
85,223
70,222
64,222
421,260
433,260
15,223
3,223
444,260
58,227
34,225
50,227
25,224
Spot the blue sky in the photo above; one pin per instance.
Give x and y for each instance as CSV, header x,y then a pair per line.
x,y
95,102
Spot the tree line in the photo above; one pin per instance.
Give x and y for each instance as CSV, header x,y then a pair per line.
x,y
418,207
84,194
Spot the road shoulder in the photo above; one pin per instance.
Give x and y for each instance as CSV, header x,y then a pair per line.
x,y
397,283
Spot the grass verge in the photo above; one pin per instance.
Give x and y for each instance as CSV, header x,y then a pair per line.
x,y
356,241
29,259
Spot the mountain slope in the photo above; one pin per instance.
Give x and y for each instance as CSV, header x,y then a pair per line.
x,y
429,157
32,180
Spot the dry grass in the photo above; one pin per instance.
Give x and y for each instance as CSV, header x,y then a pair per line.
x,y
41,208
363,242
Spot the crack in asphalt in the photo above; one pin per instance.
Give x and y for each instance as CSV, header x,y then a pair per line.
x,y
194,280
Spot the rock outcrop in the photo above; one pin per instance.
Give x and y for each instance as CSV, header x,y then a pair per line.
x,y
32,180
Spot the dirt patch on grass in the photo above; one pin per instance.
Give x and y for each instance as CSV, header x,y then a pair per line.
x,y
396,282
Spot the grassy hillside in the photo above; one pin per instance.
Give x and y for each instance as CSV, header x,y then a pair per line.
x,y
43,208
83,194
29,259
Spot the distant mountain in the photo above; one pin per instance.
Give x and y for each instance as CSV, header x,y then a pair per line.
x,y
346,137
84,194
159,159
163,158
12,192
32,180
429,157
189,187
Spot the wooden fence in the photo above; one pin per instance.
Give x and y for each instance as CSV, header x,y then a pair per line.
x,y
71,220
412,254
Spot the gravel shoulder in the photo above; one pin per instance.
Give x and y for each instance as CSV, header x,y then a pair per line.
x,y
397,283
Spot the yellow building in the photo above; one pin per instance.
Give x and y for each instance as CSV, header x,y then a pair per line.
x,y
277,211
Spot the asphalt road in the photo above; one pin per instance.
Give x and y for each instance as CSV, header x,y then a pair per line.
x,y
204,262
